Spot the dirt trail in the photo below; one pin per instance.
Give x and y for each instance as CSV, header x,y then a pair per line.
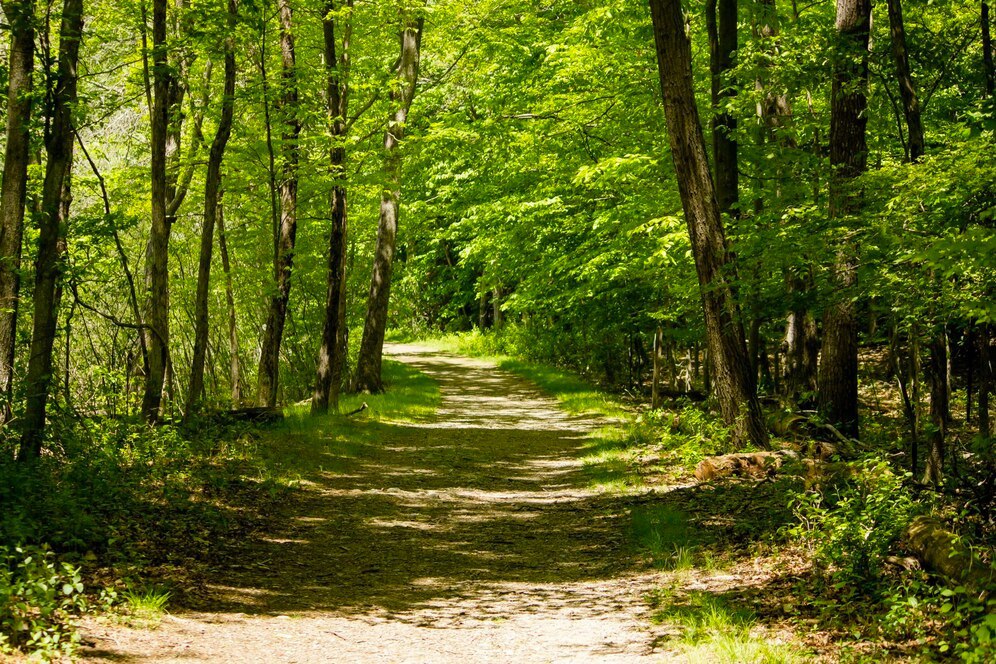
x,y
472,537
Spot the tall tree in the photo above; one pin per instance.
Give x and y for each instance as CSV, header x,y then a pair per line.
x,y
212,188
722,28
157,256
907,89
734,385
368,368
269,361
332,352
20,18
838,375
987,52
52,231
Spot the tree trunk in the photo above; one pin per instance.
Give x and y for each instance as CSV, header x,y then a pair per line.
x,y
157,259
733,383
20,16
368,374
838,376
722,28
987,52
332,352
985,378
655,398
936,371
212,187
51,247
269,361
907,91
233,330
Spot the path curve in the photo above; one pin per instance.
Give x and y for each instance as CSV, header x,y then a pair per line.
x,y
472,536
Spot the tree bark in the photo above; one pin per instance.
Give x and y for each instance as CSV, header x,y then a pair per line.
x,y
20,17
838,375
734,386
269,361
985,378
722,28
332,352
157,258
987,52
907,90
368,369
52,231
212,187
936,371
235,365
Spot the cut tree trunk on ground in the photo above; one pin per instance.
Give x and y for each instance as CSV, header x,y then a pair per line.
x,y
745,464
942,552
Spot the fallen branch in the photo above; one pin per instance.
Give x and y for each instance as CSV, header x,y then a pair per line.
x,y
363,407
747,464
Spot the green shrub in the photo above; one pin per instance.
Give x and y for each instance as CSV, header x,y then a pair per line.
x,y
39,599
852,528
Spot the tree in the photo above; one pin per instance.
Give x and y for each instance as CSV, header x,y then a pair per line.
x,y
212,196
838,374
332,351
157,254
52,231
368,375
269,360
20,16
734,384
722,26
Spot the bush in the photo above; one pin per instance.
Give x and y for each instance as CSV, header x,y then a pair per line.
x,y
852,529
39,599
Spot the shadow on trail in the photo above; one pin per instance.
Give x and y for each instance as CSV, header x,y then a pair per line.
x,y
487,502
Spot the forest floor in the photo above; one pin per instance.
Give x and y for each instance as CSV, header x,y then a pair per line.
x,y
479,534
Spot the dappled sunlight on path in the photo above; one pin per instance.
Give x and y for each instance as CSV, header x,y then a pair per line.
x,y
472,535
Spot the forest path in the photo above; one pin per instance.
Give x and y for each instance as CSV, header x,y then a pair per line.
x,y
472,536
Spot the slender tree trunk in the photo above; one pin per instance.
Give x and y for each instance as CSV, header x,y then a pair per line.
x,y
20,17
332,353
985,378
269,361
936,369
233,330
838,376
655,394
732,380
51,247
157,259
368,374
987,52
722,28
212,187
907,91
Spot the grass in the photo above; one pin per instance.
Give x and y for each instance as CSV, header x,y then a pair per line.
x,y
710,631
145,607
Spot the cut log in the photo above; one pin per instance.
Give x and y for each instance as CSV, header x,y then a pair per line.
x,y
258,414
942,552
746,464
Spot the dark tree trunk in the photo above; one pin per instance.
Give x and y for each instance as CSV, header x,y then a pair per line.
x,y
51,245
985,378
20,17
368,375
987,52
838,377
233,330
269,361
907,91
157,259
212,187
734,386
332,352
722,28
936,371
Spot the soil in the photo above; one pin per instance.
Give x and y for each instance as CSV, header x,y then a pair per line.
x,y
472,536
